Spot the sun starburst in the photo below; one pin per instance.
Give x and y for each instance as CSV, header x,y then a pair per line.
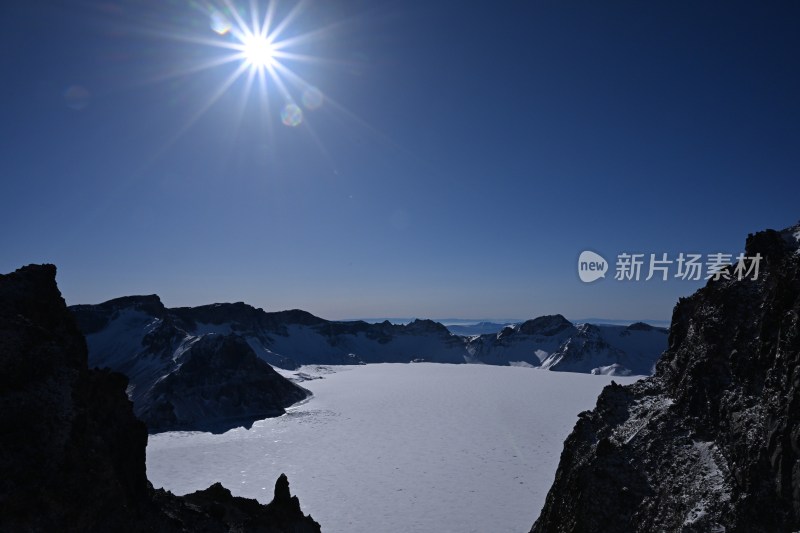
x,y
258,51
263,44
252,35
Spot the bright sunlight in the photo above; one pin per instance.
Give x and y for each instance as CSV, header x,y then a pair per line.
x,y
258,51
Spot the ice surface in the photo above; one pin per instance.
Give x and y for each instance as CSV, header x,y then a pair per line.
x,y
398,447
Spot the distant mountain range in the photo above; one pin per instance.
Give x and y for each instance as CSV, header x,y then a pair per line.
x,y
479,328
208,367
554,343
137,335
467,327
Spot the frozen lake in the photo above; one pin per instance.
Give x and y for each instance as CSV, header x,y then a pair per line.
x,y
411,448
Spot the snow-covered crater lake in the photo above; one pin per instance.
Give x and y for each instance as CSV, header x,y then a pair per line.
x,y
413,448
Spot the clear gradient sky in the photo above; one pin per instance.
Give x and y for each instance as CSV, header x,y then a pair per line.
x,y
464,154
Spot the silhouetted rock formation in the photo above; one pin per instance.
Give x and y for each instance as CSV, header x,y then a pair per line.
x,y
72,454
711,442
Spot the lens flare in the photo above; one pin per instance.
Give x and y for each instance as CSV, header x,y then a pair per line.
x,y
219,23
312,98
291,115
254,42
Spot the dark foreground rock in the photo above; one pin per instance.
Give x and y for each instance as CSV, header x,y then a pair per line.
x,y
711,442
72,453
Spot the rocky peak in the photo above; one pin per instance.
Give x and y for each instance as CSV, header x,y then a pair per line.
x,y
506,331
547,325
711,442
427,326
282,493
93,318
150,304
219,313
588,331
640,326
791,236
30,300
297,316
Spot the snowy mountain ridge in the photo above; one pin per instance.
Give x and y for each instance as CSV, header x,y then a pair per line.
x,y
184,373
554,343
138,336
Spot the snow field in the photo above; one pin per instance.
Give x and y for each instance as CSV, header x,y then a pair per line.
x,y
398,447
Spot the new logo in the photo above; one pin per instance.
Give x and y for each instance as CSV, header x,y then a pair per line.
x,y
591,266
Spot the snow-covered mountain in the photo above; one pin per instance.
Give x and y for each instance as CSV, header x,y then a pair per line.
x,y
183,375
138,336
478,328
594,346
208,367
554,343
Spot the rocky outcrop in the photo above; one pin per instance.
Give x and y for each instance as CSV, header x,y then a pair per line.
x,y
215,509
220,384
710,442
72,454
546,326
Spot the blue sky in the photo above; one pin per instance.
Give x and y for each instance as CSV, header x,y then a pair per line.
x,y
463,156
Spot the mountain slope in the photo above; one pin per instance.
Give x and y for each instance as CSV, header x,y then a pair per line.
x,y
219,384
613,350
72,455
710,442
209,380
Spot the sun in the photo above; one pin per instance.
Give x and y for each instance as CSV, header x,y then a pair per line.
x,y
259,39
258,51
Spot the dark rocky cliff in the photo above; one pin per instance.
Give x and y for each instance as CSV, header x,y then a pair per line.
x,y
72,454
711,442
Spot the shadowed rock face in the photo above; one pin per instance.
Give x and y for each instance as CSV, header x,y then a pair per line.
x,y
711,442
72,454
221,385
